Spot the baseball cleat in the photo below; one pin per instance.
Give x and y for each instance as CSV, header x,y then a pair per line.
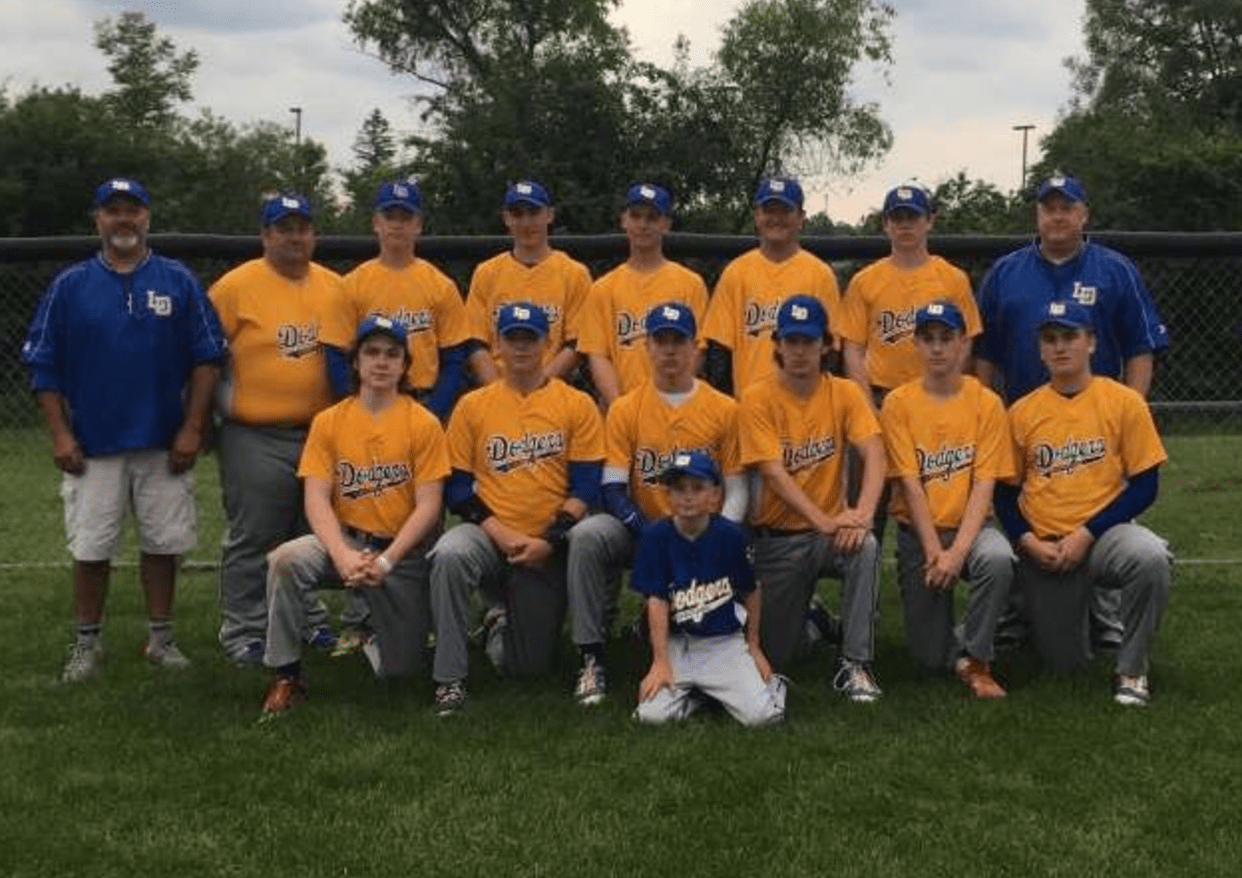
x,y
450,697
1131,690
978,678
250,653
592,684
84,661
821,625
165,655
854,681
322,637
281,696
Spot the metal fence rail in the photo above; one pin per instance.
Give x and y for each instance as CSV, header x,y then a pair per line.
x,y
1196,280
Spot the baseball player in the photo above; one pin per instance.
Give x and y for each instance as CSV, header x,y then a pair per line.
x,y
124,354
669,414
276,381
742,311
1061,264
526,453
374,468
1088,460
703,606
530,272
948,443
795,426
612,331
401,286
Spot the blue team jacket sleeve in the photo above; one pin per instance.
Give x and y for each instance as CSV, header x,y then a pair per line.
x,y
337,363
450,379
39,352
584,478
987,344
207,341
1140,493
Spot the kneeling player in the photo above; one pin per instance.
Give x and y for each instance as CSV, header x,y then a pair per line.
x,y
1088,459
948,442
373,470
694,571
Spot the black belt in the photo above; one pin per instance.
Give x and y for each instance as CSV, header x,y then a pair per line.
x,y
764,532
368,540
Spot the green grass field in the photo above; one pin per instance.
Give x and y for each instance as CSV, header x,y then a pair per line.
x,y
140,772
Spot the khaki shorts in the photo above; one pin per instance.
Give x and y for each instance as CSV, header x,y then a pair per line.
x,y
96,503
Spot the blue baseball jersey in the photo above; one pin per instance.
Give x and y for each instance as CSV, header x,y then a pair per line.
x,y
1015,294
702,579
120,348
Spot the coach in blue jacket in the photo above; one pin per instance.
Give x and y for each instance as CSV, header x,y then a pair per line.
x,y
124,354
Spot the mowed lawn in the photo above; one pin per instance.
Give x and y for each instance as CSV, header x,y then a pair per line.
x,y
140,772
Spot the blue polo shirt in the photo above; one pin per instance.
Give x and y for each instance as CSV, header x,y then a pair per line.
x,y
1018,288
702,579
120,348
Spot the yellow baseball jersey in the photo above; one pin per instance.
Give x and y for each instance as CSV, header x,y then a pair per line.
x,y
419,296
878,309
808,436
276,375
644,432
519,447
558,284
742,311
1075,454
614,320
948,443
375,461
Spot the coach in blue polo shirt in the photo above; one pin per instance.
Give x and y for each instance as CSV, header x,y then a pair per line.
x,y
124,353
1062,265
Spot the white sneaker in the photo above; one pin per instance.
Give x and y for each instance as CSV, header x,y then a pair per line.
x,y
165,655
854,680
1131,690
84,661
592,684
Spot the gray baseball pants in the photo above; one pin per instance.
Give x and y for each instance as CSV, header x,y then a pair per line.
x,y
788,567
464,559
400,608
1129,559
929,616
263,508
600,547
721,668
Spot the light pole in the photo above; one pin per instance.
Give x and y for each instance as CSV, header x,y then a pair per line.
x,y
297,125
1025,129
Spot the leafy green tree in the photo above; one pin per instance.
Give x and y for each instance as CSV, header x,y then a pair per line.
x,y
151,76
976,207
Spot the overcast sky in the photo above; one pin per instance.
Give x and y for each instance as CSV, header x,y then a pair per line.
x,y
966,72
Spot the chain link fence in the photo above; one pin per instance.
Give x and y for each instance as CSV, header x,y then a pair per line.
x,y
1195,279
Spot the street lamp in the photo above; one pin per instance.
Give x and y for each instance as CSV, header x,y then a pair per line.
x,y
297,125
1025,129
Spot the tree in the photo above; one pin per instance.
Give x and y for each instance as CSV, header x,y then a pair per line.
x,y
151,75
376,159
976,207
1154,125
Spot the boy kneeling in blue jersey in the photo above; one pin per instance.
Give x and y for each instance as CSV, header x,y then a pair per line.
x,y
702,606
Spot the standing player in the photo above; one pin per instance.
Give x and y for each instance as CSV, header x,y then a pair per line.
x,y
795,426
526,453
124,353
531,272
612,326
669,414
1088,459
701,595
276,382
948,443
742,312
1061,264
411,291
374,469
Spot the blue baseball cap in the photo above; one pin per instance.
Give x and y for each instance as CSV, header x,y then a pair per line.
x,y
121,186
650,194
670,315
691,463
786,190
521,315
399,193
801,315
1063,184
278,207
907,196
1067,313
940,312
377,323
529,193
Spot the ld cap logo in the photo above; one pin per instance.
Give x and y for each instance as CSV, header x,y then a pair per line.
x,y
120,185
291,203
521,313
778,186
1057,309
1056,180
524,189
681,460
400,190
904,193
935,308
798,312
671,313
647,192
383,323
